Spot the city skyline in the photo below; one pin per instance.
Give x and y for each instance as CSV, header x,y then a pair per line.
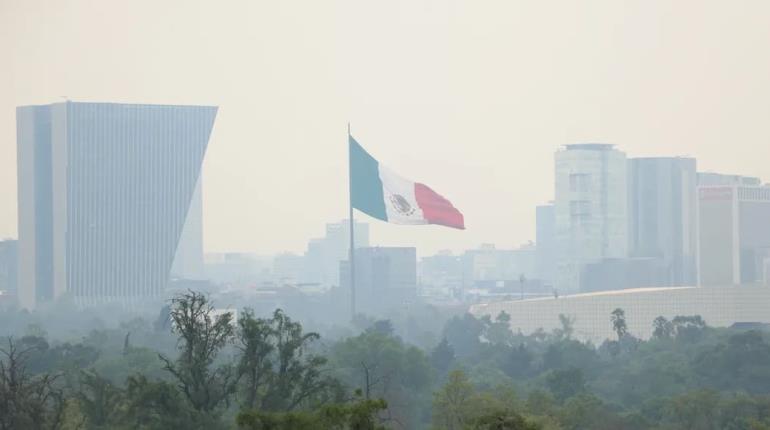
x,y
478,107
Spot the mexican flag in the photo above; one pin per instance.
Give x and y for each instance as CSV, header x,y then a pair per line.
x,y
379,192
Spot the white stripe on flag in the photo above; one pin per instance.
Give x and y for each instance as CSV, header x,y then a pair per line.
x,y
400,202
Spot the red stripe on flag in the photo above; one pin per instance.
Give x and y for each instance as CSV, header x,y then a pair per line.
x,y
436,209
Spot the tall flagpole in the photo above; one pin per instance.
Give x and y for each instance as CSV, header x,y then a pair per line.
x,y
352,259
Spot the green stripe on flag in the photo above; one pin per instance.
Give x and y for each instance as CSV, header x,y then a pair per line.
x,y
365,184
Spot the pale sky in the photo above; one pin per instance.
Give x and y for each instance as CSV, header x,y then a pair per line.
x,y
470,97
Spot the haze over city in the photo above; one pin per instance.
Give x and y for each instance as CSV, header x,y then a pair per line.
x,y
472,98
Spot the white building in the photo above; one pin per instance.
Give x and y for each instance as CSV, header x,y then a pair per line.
x,y
590,209
719,307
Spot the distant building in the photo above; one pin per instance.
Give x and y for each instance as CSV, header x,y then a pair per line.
x,y
487,263
624,273
104,192
385,277
241,269
545,242
590,312
323,255
710,179
8,266
590,209
662,217
440,274
734,234
287,268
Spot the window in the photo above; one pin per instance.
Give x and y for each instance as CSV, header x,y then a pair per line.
x,y
579,182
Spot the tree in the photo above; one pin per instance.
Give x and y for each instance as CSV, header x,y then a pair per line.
x,y
359,414
158,405
384,327
384,367
566,383
567,327
26,401
99,400
452,406
499,331
442,357
202,335
464,333
586,411
278,372
255,365
688,328
695,410
662,328
618,319
518,362
504,420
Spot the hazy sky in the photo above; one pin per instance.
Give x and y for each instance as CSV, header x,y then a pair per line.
x,y
470,97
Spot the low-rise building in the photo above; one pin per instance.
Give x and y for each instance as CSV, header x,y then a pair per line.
x,y
718,306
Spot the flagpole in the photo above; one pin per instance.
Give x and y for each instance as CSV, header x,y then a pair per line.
x,y
352,259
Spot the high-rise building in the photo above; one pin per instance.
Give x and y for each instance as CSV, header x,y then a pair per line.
x,y
323,256
734,234
8,266
385,277
188,261
104,192
590,209
545,242
662,216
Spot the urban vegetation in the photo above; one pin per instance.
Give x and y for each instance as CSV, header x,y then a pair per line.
x,y
195,368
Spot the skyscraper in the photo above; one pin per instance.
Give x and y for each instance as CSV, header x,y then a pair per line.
x,y
662,215
104,192
734,233
385,277
8,266
590,209
323,255
188,261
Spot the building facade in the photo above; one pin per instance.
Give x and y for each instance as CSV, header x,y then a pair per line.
x,y
385,277
734,234
545,243
662,216
188,261
8,266
323,255
104,191
589,209
590,312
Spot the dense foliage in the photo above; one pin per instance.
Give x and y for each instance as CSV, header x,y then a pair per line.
x,y
194,368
